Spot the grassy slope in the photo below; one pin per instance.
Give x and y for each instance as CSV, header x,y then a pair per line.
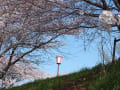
x,y
86,79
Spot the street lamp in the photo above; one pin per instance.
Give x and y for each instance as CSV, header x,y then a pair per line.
x,y
58,61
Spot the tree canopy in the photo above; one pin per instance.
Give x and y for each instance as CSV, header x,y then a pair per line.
x,y
31,25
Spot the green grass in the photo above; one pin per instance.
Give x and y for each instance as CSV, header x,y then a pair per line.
x,y
91,79
108,81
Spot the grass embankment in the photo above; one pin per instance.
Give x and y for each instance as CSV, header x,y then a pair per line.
x,y
86,79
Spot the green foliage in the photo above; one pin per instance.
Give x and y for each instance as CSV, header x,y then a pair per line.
x,y
93,79
56,83
109,81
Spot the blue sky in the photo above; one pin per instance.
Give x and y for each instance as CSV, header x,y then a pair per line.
x,y
74,57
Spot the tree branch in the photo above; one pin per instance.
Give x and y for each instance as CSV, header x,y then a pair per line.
x,y
9,63
117,4
33,49
94,4
105,5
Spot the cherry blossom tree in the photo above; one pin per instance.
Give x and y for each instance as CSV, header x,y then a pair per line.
x,y
24,30
19,72
30,26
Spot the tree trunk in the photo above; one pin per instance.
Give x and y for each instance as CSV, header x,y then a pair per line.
x,y
114,47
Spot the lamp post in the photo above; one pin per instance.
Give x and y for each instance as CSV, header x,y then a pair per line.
x,y
58,61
